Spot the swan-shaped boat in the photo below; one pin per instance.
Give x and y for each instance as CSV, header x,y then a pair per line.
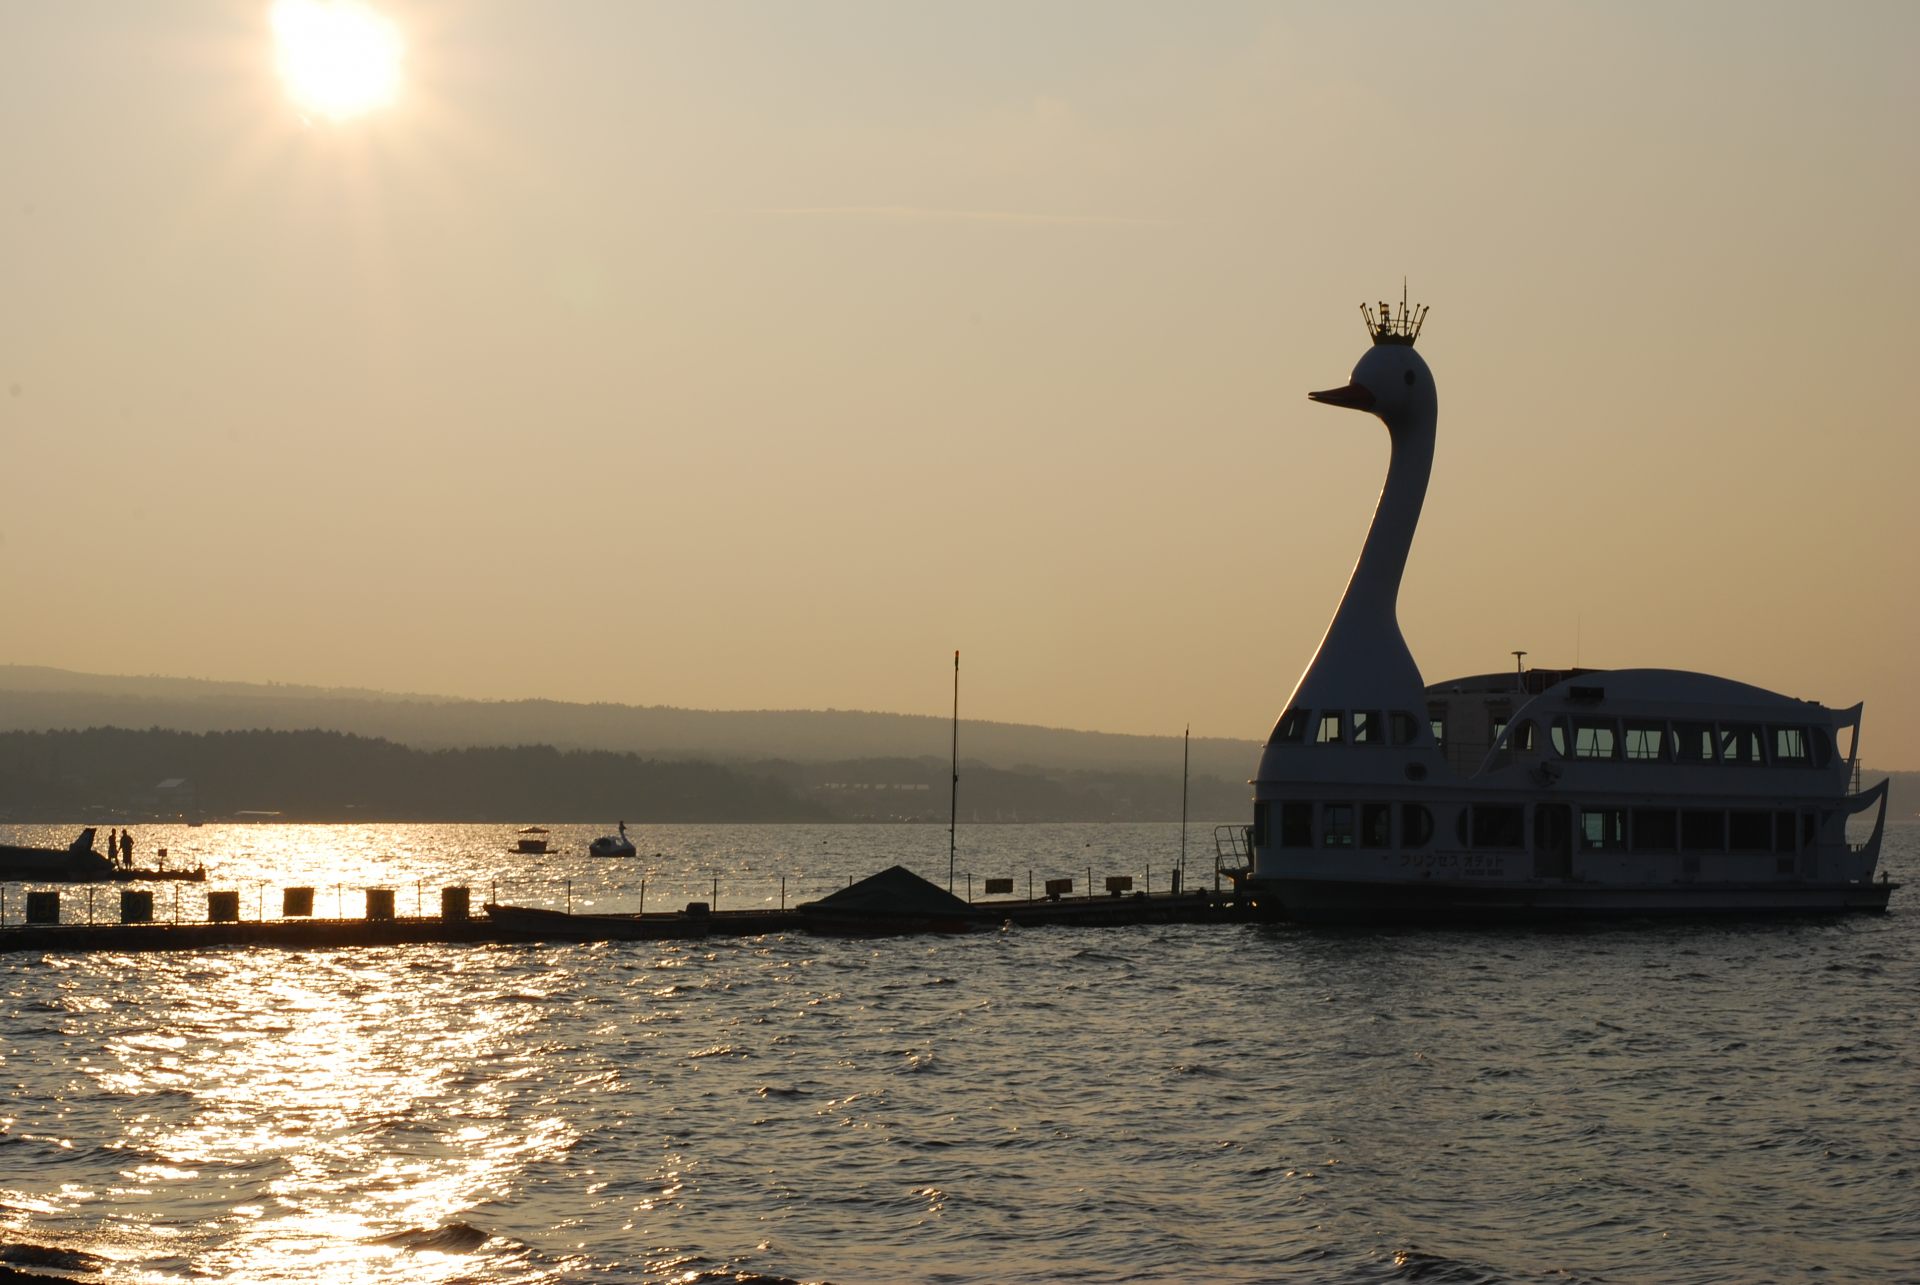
x,y
1534,792
612,845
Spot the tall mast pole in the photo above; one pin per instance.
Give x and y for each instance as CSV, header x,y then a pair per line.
x,y
1186,749
953,816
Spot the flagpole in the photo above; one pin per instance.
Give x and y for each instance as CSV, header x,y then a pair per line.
x,y
953,817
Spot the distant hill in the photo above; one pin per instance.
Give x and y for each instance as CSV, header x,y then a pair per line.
x,y
1903,797
116,774
331,776
34,698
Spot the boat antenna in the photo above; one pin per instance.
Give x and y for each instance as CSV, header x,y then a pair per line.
x,y
1520,668
953,795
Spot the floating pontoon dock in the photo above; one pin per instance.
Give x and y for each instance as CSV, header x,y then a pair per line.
x,y
508,924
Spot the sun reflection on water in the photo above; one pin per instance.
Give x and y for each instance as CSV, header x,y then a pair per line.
x,y
304,1107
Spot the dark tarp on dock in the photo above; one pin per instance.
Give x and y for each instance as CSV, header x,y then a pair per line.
x,y
896,895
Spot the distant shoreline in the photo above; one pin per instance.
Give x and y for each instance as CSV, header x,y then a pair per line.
x,y
111,775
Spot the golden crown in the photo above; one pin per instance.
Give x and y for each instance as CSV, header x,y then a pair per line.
x,y
1389,326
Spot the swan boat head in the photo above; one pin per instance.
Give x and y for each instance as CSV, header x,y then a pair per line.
x,y
1392,382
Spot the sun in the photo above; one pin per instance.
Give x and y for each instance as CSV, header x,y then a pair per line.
x,y
339,58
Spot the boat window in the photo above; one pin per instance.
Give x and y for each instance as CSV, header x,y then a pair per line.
x,y
1655,830
1499,726
1694,743
1405,727
1750,831
1703,831
1821,746
1499,825
1559,734
1292,728
1376,825
1740,743
1258,838
1514,740
1783,828
1439,728
1809,829
1416,826
1603,829
1647,742
1790,747
1329,728
1336,825
1367,728
1595,738
1296,825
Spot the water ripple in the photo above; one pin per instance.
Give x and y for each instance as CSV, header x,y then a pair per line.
x,y
1703,1104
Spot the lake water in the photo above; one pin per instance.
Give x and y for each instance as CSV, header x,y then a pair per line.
x,y
1634,1102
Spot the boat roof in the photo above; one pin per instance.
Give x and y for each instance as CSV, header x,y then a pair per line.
x,y
1673,691
1531,681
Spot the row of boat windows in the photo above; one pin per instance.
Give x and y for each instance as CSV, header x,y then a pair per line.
x,y
1638,740
1360,726
1631,740
1504,826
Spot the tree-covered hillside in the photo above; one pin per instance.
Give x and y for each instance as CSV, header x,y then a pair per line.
x,y
110,772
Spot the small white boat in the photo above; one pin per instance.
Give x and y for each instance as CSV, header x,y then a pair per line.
x,y
612,845
1535,793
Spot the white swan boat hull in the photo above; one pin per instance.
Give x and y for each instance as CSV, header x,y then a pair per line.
x,y
1355,901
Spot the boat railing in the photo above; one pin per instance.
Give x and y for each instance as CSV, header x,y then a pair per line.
x,y
1233,845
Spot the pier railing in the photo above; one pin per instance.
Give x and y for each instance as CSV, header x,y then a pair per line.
x,y
260,901
256,901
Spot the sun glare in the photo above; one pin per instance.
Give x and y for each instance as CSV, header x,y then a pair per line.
x,y
339,58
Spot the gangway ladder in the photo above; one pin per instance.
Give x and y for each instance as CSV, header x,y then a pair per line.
x,y
1232,852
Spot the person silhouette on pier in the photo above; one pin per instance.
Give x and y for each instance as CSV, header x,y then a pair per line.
x,y
113,845
126,848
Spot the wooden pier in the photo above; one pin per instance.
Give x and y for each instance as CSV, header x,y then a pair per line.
x,y
508,924
284,934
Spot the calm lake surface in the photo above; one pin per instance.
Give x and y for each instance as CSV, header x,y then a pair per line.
x,y
1636,1102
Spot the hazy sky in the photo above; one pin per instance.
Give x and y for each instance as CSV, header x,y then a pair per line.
x,y
759,355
